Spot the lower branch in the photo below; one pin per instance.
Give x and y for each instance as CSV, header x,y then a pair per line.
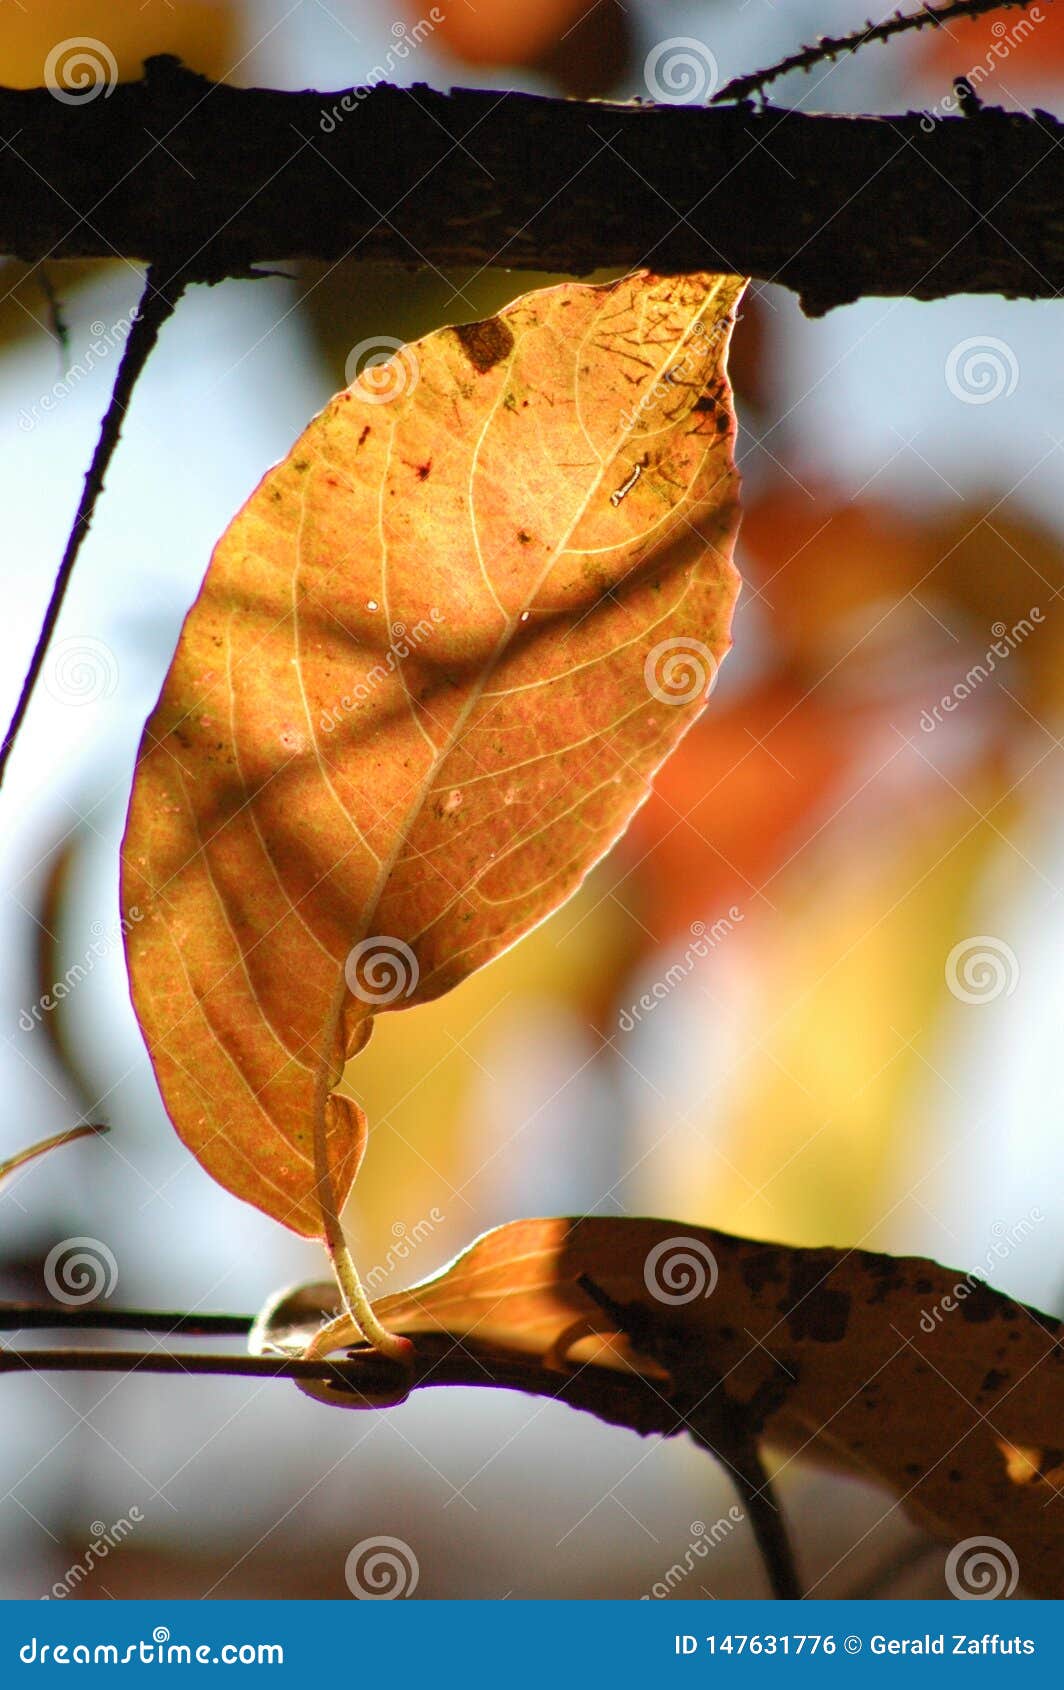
x,y
367,1379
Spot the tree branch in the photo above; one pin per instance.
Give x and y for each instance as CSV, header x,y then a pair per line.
x,y
208,181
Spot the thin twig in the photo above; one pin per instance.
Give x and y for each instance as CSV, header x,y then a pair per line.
x,y
829,47
726,1429
365,1379
22,1317
55,311
70,1136
156,304
161,1361
767,1522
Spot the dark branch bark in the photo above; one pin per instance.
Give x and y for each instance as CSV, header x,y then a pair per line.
x,y
209,181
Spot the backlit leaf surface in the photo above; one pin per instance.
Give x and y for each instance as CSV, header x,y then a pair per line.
x,y
435,662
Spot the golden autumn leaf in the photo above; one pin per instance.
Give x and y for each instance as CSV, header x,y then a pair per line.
x,y
433,667
917,1376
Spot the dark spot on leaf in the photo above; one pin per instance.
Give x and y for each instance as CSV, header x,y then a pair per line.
x,y
982,1305
994,1380
886,1274
1045,1320
485,344
761,1269
955,1475
524,539
812,1308
364,436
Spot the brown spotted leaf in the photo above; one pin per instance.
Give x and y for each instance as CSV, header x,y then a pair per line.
x,y
434,665
918,1376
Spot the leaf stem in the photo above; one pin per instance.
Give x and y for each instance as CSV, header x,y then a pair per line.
x,y
359,1309
359,1314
